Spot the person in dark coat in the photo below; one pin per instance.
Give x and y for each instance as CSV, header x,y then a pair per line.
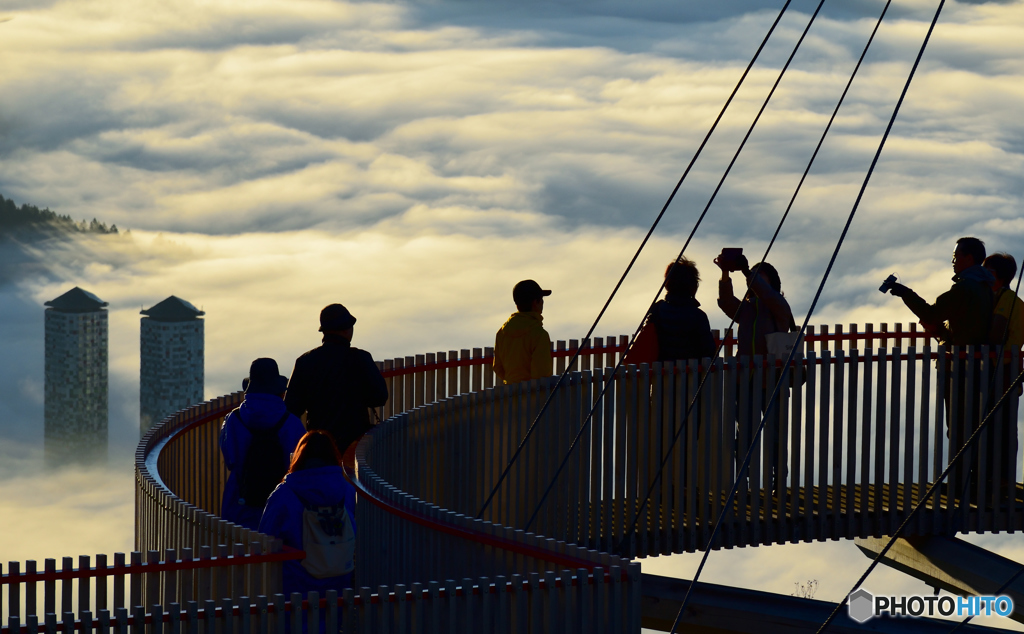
x,y
336,384
315,479
961,316
682,327
263,408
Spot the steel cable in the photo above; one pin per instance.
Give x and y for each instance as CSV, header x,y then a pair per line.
x,y
771,243
629,267
935,485
700,219
999,355
828,270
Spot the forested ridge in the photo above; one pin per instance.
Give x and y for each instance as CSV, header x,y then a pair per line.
x,y
13,217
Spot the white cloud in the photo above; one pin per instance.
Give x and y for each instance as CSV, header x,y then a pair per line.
x,y
415,160
65,513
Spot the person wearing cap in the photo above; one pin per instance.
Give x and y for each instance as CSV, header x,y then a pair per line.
x,y
262,410
335,384
522,348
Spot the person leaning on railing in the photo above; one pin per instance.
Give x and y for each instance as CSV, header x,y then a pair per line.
x,y
336,384
522,348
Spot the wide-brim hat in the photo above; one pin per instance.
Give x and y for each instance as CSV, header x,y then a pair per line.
x,y
264,378
336,317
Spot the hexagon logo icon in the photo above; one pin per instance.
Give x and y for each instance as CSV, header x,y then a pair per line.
x,y
860,605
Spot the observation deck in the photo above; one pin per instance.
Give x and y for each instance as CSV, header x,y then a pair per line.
x,y
861,438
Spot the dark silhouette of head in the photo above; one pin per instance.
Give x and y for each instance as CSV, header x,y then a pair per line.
x,y
682,277
315,449
770,274
264,378
1003,266
969,252
527,294
335,318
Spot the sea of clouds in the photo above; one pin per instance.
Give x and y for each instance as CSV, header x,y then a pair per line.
x,y
413,160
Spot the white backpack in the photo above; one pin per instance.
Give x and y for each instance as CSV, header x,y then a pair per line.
x,y
328,539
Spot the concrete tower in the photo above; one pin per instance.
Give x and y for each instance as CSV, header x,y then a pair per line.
x,y
75,406
172,361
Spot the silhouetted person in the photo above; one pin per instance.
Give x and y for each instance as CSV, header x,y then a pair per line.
x,y
314,509
763,311
336,384
1007,335
961,316
1008,314
682,327
257,440
522,348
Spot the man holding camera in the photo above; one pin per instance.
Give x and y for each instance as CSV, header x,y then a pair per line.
x,y
961,316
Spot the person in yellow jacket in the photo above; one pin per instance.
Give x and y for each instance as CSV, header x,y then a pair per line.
x,y
522,348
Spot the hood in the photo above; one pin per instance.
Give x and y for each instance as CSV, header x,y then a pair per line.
x,y
976,273
520,324
260,411
319,486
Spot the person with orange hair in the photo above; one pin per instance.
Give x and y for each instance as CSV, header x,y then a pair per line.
x,y
314,509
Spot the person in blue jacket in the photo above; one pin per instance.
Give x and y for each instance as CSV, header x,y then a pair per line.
x,y
262,410
315,480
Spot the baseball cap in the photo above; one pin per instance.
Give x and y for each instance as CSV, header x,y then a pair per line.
x,y
526,291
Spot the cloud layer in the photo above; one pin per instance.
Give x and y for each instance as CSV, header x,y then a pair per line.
x,y
414,159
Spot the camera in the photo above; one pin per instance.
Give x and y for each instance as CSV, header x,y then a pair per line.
x,y
887,284
731,259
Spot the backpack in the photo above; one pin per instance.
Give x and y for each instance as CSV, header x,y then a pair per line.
x,y
328,539
264,465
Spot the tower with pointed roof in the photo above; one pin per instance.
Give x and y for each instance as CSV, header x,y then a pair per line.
x,y
171,372
75,403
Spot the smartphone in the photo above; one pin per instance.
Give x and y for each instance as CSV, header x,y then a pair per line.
x,y
730,258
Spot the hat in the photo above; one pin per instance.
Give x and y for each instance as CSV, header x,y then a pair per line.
x,y
526,291
335,317
264,378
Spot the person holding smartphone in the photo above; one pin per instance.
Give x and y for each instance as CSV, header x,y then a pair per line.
x,y
762,311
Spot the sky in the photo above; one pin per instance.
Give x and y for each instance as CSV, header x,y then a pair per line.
x,y
413,160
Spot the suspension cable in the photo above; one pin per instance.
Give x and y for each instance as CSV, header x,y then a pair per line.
x,y
999,355
828,270
771,243
960,515
686,244
935,485
629,267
